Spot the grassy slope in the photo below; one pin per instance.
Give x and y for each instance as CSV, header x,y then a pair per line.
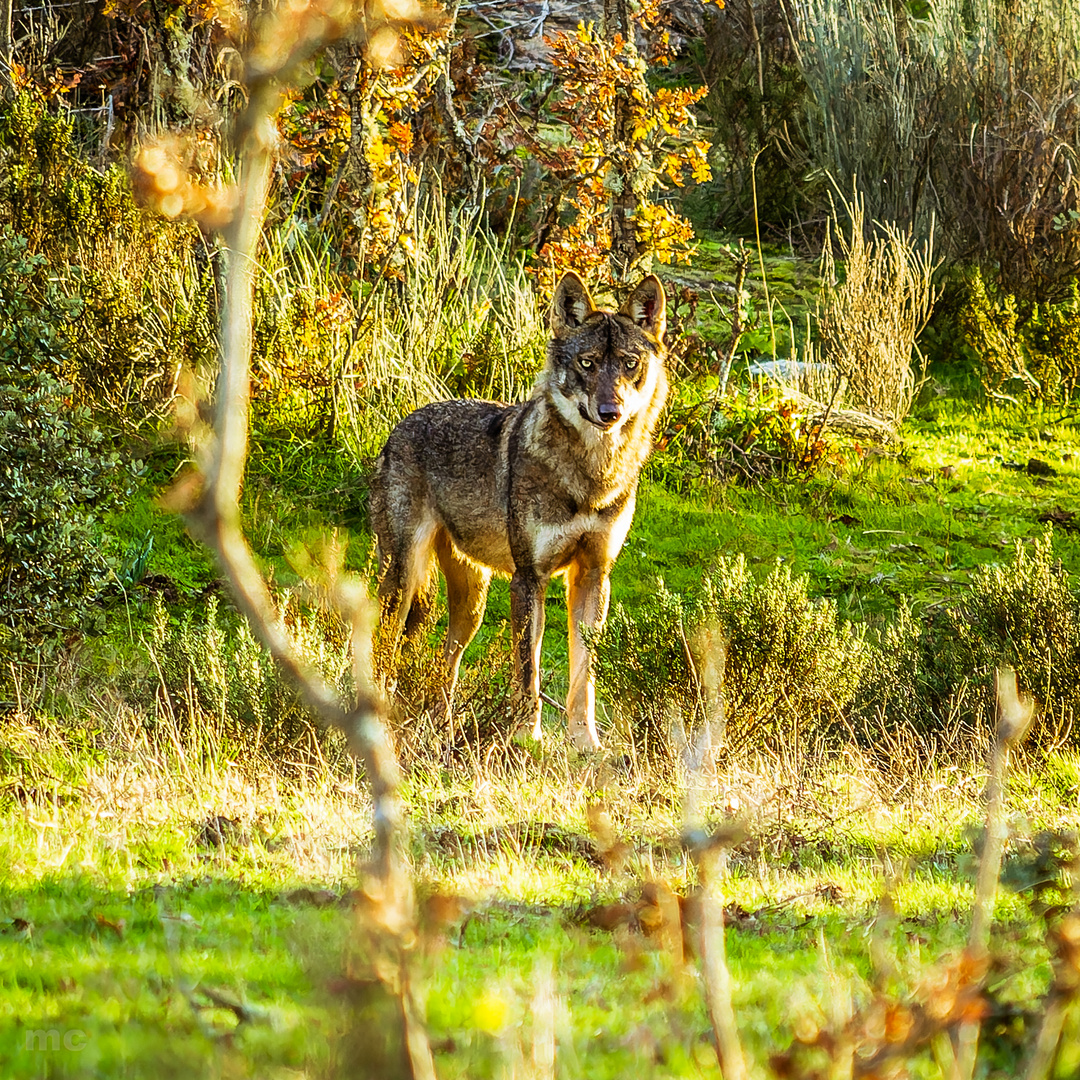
x,y
116,917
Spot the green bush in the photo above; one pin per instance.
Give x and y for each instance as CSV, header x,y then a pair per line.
x,y
215,666
56,471
1025,615
147,289
49,193
904,687
788,663
934,674
1037,355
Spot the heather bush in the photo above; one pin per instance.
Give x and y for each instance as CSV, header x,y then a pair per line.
x,y
209,663
56,469
933,672
1036,356
785,664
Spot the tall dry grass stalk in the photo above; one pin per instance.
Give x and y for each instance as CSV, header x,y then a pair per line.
x,y
863,353
210,500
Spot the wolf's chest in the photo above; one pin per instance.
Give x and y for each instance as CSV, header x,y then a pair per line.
x,y
591,537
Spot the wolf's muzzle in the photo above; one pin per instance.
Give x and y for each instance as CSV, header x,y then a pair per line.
x,y
603,424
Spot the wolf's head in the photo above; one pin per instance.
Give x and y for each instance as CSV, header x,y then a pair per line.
x,y
606,369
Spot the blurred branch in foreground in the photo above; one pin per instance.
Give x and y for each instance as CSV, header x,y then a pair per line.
x,y
209,499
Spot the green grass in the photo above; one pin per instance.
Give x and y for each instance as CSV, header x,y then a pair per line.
x,y
121,922
118,921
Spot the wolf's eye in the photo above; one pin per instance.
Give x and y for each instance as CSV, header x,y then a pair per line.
x,y
585,362
630,364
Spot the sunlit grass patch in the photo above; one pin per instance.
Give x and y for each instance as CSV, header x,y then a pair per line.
x,y
202,900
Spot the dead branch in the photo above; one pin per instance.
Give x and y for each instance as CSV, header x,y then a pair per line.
x,y
213,516
1014,717
860,425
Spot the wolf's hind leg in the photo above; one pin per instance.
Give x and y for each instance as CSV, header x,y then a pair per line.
x,y
466,597
404,587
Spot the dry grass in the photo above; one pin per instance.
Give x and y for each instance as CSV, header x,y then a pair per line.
x,y
863,354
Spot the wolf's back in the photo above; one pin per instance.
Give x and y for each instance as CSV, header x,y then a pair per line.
x,y
448,457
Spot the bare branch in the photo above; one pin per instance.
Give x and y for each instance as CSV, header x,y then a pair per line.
x,y
213,516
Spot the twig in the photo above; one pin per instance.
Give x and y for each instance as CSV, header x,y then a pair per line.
x,y
709,852
1014,716
742,265
711,858
213,515
547,699
538,22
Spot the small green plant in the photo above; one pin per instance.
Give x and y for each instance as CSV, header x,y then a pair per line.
x,y
1037,356
788,663
57,471
933,673
1025,615
749,436
215,666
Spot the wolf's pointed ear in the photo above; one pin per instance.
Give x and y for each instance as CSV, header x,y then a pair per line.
x,y
571,305
647,306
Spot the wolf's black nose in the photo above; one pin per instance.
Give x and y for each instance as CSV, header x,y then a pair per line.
x,y
608,413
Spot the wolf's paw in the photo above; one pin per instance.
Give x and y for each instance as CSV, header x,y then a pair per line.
x,y
583,736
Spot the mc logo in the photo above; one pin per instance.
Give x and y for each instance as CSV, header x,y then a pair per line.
x,y
40,1039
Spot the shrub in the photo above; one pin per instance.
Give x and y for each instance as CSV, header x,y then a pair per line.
x,y
904,687
1025,615
147,290
872,90
965,119
934,673
1005,169
755,88
1038,356
788,664
56,471
50,195
215,666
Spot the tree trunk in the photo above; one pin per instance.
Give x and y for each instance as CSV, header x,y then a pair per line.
x,y
625,252
359,175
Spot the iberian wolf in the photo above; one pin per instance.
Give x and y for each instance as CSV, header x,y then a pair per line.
x,y
533,490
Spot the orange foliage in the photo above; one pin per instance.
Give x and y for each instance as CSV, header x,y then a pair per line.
x,y
594,72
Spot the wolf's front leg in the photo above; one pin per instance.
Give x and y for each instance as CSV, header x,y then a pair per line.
x,y
527,625
587,593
